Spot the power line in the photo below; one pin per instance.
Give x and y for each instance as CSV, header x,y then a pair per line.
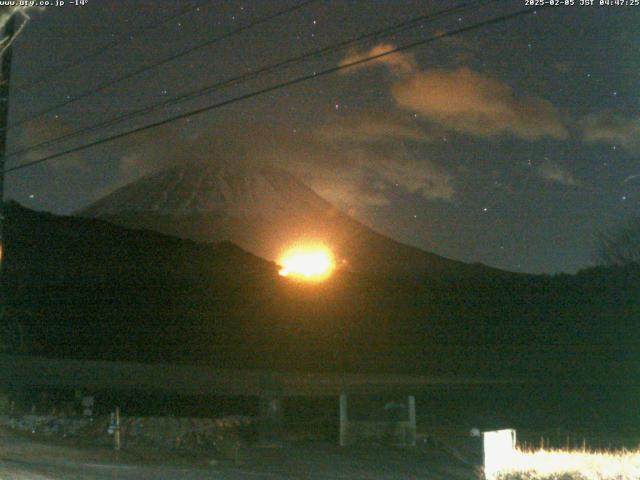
x,y
394,29
279,86
156,64
126,38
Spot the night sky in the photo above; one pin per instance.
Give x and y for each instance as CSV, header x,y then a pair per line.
x,y
511,145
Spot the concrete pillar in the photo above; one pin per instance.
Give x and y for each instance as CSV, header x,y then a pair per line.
x,y
271,418
116,432
411,434
344,420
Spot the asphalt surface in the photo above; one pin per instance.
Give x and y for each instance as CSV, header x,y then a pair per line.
x,y
314,462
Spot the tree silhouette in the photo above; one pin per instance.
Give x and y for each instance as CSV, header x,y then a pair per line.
x,y
621,246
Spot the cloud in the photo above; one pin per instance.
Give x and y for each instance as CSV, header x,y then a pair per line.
x,y
632,178
458,42
477,104
365,128
418,176
556,174
398,63
367,176
42,130
162,147
371,154
463,100
136,164
350,194
608,127
355,162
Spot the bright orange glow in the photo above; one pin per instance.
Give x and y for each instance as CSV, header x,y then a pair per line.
x,y
311,263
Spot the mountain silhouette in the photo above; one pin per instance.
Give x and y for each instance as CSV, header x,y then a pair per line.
x,y
264,210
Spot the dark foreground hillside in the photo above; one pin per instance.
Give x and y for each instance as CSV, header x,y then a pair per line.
x,y
86,289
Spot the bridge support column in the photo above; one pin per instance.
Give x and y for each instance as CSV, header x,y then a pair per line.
x,y
344,420
271,418
411,433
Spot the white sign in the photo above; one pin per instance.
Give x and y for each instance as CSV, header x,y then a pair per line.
x,y
499,450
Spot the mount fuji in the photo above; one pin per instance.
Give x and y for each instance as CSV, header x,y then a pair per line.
x,y
264,210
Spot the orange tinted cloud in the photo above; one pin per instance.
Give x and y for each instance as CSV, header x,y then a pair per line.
x,y
556,174
398,63
477,104
370,127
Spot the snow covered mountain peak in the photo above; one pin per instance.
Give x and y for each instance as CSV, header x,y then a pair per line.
x,y
234,190
263,210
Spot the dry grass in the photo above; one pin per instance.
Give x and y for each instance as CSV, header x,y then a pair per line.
x,y
572,465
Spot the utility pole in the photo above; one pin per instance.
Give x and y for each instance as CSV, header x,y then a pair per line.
x,y
5,76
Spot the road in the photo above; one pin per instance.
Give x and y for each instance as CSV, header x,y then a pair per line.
x,y
313,462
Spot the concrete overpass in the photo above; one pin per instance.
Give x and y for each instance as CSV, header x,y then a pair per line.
x,y
23,371
39,373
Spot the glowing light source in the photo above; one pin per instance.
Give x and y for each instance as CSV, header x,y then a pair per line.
x,y
312,263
